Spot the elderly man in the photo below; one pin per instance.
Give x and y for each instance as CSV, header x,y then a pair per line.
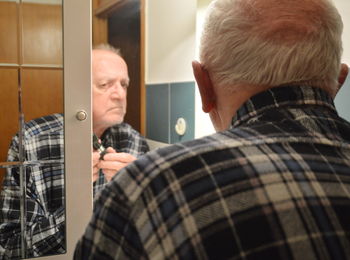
x,y
110,81
43,146
273,183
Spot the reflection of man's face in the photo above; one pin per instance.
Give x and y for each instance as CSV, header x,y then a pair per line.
x,y
110,81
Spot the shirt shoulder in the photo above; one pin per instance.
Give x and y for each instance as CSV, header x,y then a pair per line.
x,y
49,124
43,139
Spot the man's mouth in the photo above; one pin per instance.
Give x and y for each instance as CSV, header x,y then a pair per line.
x,y
115,108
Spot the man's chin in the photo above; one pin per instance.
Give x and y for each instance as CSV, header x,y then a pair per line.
x,y
116,121
111,120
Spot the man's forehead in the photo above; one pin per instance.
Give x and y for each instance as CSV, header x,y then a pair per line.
x,y
102,56
109,74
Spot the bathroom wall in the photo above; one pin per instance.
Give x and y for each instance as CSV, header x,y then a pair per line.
x,y
170,87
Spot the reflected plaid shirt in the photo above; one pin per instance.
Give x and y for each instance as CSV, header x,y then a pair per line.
x,y
43,153
276,185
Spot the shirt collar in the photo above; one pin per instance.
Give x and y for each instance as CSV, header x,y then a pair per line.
x,y
279,97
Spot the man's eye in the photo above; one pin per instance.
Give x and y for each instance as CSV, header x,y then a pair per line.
x,y
125,85
103,85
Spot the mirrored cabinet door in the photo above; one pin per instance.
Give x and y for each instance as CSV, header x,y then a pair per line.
x,y
30,58
42,32
45,151
32,150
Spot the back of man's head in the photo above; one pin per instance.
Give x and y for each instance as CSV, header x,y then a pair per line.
x,y
272,42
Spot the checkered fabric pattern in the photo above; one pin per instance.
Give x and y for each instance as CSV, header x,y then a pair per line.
x,y
124,139
44,156
276,185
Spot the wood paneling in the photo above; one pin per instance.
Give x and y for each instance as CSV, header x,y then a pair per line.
x,y
9,108
99,26
42,34
40,44
106,8
8,32
8,111
42,91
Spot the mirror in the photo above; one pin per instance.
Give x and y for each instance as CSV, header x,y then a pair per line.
x,y
158,50
31,68
31,74
120,24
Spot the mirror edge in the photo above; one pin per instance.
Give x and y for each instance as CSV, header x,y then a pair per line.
x,y
77,35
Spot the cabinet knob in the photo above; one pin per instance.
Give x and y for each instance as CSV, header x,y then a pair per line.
x,y
81,115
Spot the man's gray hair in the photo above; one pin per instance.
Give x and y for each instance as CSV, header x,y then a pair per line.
x,y
108,47
272,42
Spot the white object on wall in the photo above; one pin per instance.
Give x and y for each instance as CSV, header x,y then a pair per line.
x,y
180,126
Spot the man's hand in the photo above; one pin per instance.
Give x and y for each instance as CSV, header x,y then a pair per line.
x,y
112,162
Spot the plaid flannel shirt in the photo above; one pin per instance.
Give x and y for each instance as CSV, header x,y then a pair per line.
x,y
276,185
44,167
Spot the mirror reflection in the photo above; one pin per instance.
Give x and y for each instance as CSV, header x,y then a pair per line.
x,y
32,198
119,142
117,77
31,150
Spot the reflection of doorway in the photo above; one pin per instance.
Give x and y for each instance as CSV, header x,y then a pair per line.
x,y
121,24
30,52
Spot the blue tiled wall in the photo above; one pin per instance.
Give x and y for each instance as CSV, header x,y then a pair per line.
x,y
157,112
165,104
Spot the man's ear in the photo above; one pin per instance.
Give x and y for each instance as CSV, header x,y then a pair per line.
x,y
205,86
344,71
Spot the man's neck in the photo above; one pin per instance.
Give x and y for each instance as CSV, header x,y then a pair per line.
x,y
98,131
228,102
